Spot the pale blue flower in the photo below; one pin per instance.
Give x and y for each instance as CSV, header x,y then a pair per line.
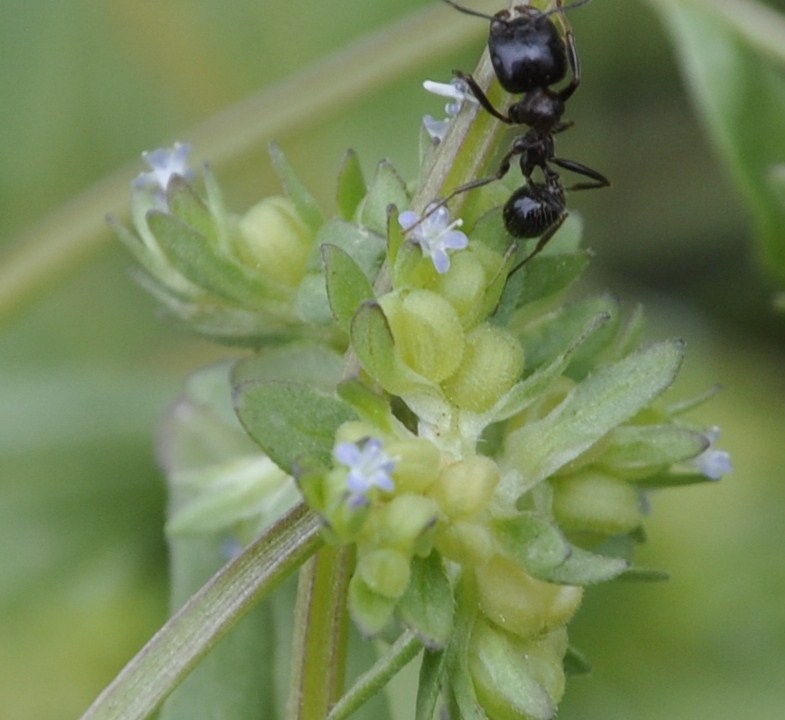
x,y
711,462
164,163
458,92
369,467
435,234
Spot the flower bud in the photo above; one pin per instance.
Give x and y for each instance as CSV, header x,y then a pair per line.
x,y
521,604
464,488
516,680
465,542
595,502
274,240
417,464
464,286
427,332
492,363
385,571
404,523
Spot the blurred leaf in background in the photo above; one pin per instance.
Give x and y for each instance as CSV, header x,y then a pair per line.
x,y
87,368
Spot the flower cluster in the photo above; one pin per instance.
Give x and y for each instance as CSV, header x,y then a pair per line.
x,y
483,441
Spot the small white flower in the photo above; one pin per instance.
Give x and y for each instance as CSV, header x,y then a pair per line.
x,y
458,91
435,234
164,163
369,467
711,462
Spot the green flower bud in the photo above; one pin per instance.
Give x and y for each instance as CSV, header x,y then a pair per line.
x,y
516,680
465,542
464,286
385,571
521,604
464,488
404,524
274,240
492,363
427,332
597,503
417,464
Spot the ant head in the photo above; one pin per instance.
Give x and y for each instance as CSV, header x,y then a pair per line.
x,y
505,14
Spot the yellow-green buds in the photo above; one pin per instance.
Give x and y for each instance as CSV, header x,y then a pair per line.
x,y
596,503
521,604
274,240
492,362
427,332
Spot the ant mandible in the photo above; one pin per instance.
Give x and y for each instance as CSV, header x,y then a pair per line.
x,y
529,56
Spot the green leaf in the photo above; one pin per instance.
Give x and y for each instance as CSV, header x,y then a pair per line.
x,y
303,362
532,541
668,479
638,449
544,277
527,391
369,405
637,573
427,605
583,568
575,662
305,203
194,256
429,686
504,685
607,398
351,185
544,339
290,421
733,59
366,248
347,285
387,188
189,208
372,341
370,611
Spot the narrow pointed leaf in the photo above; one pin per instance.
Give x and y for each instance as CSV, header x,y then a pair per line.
x,y
305,203
351,185
427,605
347,285
604,400
194,256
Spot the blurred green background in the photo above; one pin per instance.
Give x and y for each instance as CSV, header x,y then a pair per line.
x,y
87,365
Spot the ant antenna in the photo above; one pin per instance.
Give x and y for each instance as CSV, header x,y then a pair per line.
x,y
469,11
561,8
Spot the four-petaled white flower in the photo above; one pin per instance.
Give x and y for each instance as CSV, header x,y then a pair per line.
x,y
164,163
369,467
435,234
457,90
711,462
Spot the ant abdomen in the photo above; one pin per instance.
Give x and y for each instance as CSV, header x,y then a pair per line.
x,y
532,209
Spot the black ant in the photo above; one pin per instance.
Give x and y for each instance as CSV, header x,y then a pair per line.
x,y
529,55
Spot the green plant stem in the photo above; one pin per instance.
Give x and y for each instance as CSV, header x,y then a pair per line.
x,y
321,625
74,232
402,652
179,645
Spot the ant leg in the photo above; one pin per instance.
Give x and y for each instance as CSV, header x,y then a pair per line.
x,y
504,168
542,242
572,55
482,98
562,126
598,179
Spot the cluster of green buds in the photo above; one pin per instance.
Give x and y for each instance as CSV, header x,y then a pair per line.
x,y
482,439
